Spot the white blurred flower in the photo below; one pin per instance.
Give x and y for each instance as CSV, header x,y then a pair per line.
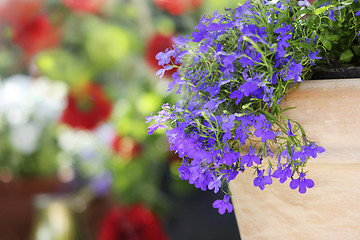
x,y
24,137
16,99
23,98
72,141
106,134
28,105
50,99
85,147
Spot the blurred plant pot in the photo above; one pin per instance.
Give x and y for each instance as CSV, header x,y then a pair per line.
x,y
54,218
17,207
329,112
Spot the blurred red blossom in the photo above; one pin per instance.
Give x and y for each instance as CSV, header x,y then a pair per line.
x,y
92,6
131,223
36,35
87,107
20,12
177,7
126,147
158,43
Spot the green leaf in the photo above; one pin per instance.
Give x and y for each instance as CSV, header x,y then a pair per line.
x,y
240,114
301,12
286,109
356,49
270,116
246,105
346,56
306,46
320,10
327,44
288,147
205,116
332,38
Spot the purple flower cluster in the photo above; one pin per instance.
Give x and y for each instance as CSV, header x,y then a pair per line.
x,y
235,69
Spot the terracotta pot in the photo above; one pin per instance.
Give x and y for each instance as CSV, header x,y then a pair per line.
x,y
329,111
17,207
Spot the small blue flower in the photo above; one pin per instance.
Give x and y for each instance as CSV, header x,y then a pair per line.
x,y
223,205
290,132
312,150
304,3
261,180
265,133
184,172
215,184
302,154
238,94
268,94
282,173
200,35
331,15
230,174
302,183
240,134
161,71
260,121
230,156
250,158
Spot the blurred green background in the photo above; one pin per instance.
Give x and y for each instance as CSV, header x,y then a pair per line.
x,y
77,79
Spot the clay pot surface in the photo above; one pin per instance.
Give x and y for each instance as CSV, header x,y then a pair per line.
x,y
329,111
17,207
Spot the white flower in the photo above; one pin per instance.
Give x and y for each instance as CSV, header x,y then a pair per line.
x,y
25,137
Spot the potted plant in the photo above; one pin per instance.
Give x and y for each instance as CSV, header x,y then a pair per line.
x,y
243,119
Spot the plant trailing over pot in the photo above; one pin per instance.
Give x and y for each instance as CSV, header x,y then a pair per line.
x,y
235,70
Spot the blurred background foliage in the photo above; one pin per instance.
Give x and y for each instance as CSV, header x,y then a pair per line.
x,y
77,79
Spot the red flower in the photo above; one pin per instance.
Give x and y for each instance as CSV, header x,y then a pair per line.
x,y
92,6
126,147
177,7
131,223
36,35
87,106
159,43
20,12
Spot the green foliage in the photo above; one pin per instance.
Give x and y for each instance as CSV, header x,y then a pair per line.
x,y
339,38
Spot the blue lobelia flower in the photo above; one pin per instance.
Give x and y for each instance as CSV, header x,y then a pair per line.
x,y
282,173
265,133
301,154
250,158
331,15
312,150
304,3
231,173
260,121
238,94
302,183
290,132
184,170
268,94
261,180
215,184
241,134
230,156
200,35
223,205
